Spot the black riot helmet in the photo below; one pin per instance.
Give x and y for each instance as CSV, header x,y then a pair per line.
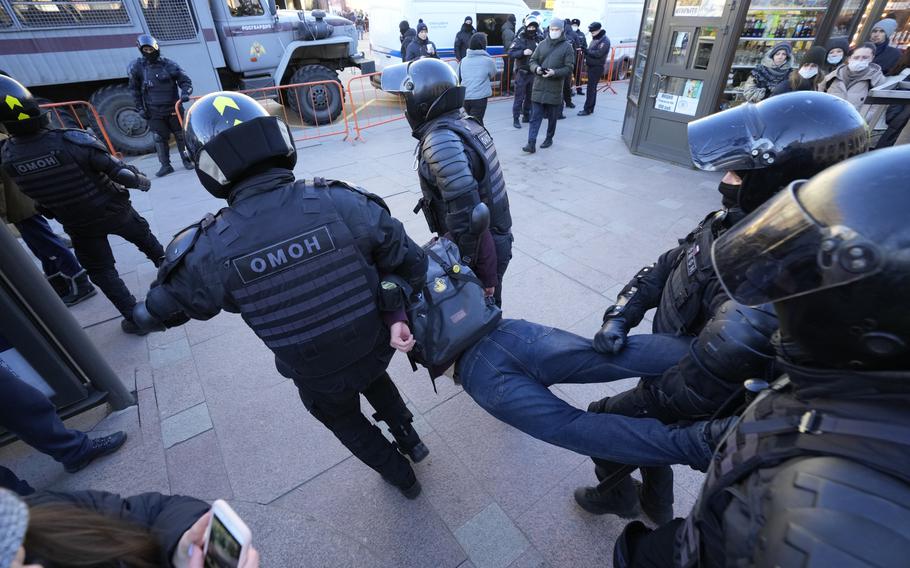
x,y
779,140
19,111
229,136
833,254
148,47
430,88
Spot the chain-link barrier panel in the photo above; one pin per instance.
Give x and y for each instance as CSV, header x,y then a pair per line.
x,y
169,20
41,14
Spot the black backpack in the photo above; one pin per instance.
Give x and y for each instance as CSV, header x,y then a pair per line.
x,y
451,313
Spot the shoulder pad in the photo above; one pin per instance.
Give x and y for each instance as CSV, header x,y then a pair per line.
x,y
322,182
441,136
83,138
181,244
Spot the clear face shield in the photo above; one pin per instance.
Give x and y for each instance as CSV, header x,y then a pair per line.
x,y
780,251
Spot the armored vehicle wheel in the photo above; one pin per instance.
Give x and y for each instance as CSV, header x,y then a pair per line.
x,y
128,131
622,69
317,104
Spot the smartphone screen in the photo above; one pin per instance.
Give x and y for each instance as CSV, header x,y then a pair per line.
x,y
224,550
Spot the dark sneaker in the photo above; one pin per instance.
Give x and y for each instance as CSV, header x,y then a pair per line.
x,y
129,326
613,502
83,290
529,148
99,447
165,170
547,143
584,113
516,123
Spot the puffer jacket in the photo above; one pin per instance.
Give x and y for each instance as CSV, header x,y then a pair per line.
x,y
475,72
555,54
853,87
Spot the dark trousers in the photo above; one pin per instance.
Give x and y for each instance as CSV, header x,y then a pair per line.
x,y
476,108
340,413
47,247
896,117
94,252
27,413
567,90
657,482
647,548
521,104
503,244
594,75
162,125
538,112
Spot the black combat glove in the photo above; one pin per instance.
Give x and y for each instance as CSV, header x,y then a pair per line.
x,y
185,97
612,336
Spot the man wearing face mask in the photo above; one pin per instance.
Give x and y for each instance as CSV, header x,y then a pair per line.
x,y
788,138
154,81
886,55
463,38
520,51
421,46
551,63
853,81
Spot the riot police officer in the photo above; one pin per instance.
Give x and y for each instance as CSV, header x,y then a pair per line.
x,y
154,81
458,167
817,470
769,145
520,52
72,177
301,262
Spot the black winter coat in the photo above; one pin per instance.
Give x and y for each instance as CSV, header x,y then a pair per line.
x,y
462,40
166,516
406,40
596,54
418,48
516,52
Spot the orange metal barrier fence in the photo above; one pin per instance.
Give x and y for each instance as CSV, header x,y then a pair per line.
x,y
618,68
72,119
308,108
371,106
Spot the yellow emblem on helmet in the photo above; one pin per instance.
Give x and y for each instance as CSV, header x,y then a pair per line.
x,y
12,102
222,102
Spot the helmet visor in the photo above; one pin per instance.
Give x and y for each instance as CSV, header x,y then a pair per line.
x,y
394,78
729,140
780,251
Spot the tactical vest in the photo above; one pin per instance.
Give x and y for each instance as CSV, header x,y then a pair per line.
x,y
300,282
778,427
48,173
680,309
159,89
491,186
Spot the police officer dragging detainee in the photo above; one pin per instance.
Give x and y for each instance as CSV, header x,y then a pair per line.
x,y
457,163
72,177
817,470
302,263
154,81
763,147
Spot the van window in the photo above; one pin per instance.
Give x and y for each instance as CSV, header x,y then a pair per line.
x,y
491,24
244,8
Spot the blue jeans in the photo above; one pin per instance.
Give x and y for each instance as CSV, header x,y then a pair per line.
x,y
509,371
538,112
47,247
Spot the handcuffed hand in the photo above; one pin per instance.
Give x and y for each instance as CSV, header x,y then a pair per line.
x,y
612,336
402,339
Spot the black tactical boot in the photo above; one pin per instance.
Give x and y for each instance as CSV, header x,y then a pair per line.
x,y
98,447
410,488
82,290
164,157
547,142
516,123
129,326
621,500
62,285
578,91
660,513
406,439
187,162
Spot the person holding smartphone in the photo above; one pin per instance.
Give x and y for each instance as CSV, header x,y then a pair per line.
x,y
303,263
95,528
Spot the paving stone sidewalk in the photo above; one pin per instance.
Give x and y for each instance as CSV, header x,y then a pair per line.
x,y
215,419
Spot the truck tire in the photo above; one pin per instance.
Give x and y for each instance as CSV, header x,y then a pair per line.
x,y
128,131
316,104
622,69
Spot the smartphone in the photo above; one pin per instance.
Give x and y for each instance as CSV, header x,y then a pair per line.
x,y
227,538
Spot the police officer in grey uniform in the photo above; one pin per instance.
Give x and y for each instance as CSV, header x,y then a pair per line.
x,y
457,163
72,177
769,144
154,81
302,263
817,470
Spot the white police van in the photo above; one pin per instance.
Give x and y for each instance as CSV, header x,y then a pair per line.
x,y
443,19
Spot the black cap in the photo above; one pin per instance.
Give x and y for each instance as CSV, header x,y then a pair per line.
x,y
576,22
594,27
816,54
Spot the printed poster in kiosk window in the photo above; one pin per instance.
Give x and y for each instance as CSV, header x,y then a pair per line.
x,y
699,8
687,102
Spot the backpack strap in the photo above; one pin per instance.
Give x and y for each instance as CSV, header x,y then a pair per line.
x,y
454,271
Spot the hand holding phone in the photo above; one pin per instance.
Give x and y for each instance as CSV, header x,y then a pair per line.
x,y
227,539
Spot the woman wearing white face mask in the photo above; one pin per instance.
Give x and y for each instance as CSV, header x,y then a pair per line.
x,y
837,53
808,76
853,80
